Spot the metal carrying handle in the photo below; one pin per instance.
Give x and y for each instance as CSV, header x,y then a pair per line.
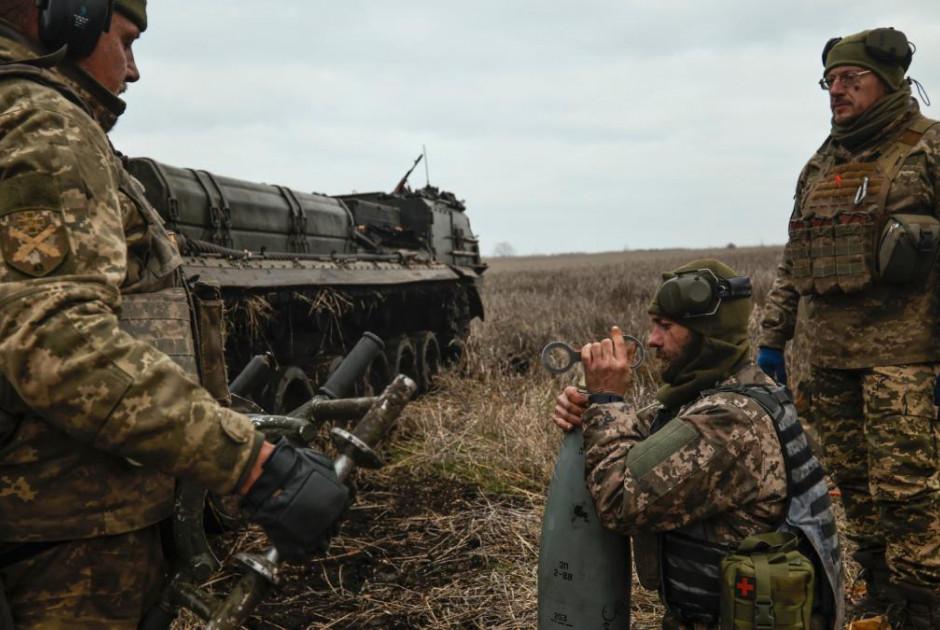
x,y
557,348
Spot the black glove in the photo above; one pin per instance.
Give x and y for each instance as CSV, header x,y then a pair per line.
x,y
298,500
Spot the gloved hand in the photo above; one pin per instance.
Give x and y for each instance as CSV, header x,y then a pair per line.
x,y
771,360
298,500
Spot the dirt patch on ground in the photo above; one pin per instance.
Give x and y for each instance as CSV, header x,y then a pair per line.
x,y
414,552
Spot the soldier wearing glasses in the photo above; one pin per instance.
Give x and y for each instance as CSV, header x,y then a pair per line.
x,y
861,260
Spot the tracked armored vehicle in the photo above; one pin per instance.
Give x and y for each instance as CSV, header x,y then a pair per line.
x,y
303,275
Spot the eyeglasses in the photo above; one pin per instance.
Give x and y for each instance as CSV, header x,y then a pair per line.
x,y
848,79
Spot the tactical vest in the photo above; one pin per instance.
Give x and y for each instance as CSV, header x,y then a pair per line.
x,y
691,564
833,244
158,311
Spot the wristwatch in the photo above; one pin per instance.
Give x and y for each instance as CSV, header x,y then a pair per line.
x,y
595,398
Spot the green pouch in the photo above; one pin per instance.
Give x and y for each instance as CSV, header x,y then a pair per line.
x,y
822,251
853,238
767,584
210,349
798,251
908,247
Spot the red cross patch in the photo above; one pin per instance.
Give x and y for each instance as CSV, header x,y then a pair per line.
x,y
745,586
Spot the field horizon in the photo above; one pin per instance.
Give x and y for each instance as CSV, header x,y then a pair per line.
x,y
447,534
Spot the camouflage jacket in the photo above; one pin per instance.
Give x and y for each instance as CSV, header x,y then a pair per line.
x,y
883,324
94,423
718,462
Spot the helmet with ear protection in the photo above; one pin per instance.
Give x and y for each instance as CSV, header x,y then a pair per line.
x,y
77,24
699,293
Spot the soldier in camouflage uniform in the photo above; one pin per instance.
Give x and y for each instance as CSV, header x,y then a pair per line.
x,y
705,463
99,403
861,260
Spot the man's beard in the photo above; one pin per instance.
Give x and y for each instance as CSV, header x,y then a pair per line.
x,y
670,369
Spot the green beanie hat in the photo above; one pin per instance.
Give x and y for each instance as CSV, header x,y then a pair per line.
x,y
884,51
728,324
135,11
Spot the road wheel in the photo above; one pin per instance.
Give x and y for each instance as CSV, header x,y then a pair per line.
x,y
428,353
377,377
401,358
291,390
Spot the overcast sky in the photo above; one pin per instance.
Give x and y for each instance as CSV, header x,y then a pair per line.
x,y
566,126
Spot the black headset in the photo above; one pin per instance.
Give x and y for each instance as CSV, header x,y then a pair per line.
x,y
699,293
77,24
884,44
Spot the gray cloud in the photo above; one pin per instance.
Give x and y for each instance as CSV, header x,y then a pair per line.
x,y
566,126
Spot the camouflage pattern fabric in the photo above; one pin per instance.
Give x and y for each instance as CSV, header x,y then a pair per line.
x,y
730,473
881,439
95,422
884,324
103,583
151,252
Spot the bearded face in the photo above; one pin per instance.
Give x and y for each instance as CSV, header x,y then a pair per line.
x,y
673,346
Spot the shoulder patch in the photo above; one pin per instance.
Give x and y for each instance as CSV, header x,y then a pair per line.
x,y
33,241
657,448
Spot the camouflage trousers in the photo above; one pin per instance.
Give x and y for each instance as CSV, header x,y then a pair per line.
x,y
879,430
94,584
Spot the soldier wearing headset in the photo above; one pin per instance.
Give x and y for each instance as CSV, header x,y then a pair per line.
x,y
720,457
861,260
100,406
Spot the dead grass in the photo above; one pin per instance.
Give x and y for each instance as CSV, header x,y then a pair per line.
x,y
447,535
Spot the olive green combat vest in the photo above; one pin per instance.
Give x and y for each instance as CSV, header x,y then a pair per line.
x,y
834,245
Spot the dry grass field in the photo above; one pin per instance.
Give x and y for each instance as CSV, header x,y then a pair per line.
x,y
447,535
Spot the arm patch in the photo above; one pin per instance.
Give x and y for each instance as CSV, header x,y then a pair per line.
x,y
657,448
33,238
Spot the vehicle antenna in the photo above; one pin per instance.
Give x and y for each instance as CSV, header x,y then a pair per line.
x,y
427,171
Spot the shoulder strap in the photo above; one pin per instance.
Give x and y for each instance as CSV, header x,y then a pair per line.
x,y
773,399
892,159
31,72
769,397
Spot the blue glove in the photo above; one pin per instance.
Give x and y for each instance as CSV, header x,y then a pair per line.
x,y
772,362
